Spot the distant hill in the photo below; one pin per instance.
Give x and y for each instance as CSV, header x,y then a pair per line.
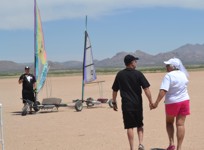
x,y
9,66
189,54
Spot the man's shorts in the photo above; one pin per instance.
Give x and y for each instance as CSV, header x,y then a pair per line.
x,y
180,108
28,95
132,119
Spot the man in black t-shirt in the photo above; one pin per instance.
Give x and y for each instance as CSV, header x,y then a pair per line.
x,y
29,85
130,82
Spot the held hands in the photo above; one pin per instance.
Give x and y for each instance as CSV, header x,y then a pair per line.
x,y
153,105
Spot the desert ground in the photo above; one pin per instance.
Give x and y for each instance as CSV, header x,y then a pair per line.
x,y
95,128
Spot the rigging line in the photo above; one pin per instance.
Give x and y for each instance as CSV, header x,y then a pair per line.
x,y
50,80
48,87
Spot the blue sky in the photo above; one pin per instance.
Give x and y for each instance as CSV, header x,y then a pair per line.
x,y
153,26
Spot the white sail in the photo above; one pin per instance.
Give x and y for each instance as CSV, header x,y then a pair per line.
x,y
89,73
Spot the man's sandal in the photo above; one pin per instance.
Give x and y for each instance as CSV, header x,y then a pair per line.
x,y
140,147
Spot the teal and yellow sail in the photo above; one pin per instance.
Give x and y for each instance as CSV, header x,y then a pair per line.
x,y
40,63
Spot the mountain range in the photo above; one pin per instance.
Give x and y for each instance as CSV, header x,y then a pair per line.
x,y
189,54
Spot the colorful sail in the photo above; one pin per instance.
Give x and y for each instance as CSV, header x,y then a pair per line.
x,y
41,65
89,72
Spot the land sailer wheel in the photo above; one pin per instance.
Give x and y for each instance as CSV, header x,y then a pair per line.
x,y
79,105
89,102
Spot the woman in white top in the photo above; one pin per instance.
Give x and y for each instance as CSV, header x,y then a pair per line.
x,y
174,88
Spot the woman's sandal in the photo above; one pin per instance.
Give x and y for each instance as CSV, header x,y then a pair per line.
x,y
171,147
140,147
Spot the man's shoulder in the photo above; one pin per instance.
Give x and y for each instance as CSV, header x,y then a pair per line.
x,y
127,70
138,72
121,71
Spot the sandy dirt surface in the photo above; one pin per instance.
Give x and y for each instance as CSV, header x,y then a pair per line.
x,y
96,128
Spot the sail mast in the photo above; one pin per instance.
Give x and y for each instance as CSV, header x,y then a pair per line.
x,y
35,52
84,59
35,42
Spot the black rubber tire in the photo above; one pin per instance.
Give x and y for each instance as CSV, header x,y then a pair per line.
x,y
79,105
89,102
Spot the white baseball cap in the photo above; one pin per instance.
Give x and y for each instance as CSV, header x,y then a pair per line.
x,y
174,62
177,64
27,67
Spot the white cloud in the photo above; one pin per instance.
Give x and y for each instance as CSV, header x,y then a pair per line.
x,y
18,14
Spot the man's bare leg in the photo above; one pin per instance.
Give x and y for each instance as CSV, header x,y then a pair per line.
x,y
140,132
130,134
